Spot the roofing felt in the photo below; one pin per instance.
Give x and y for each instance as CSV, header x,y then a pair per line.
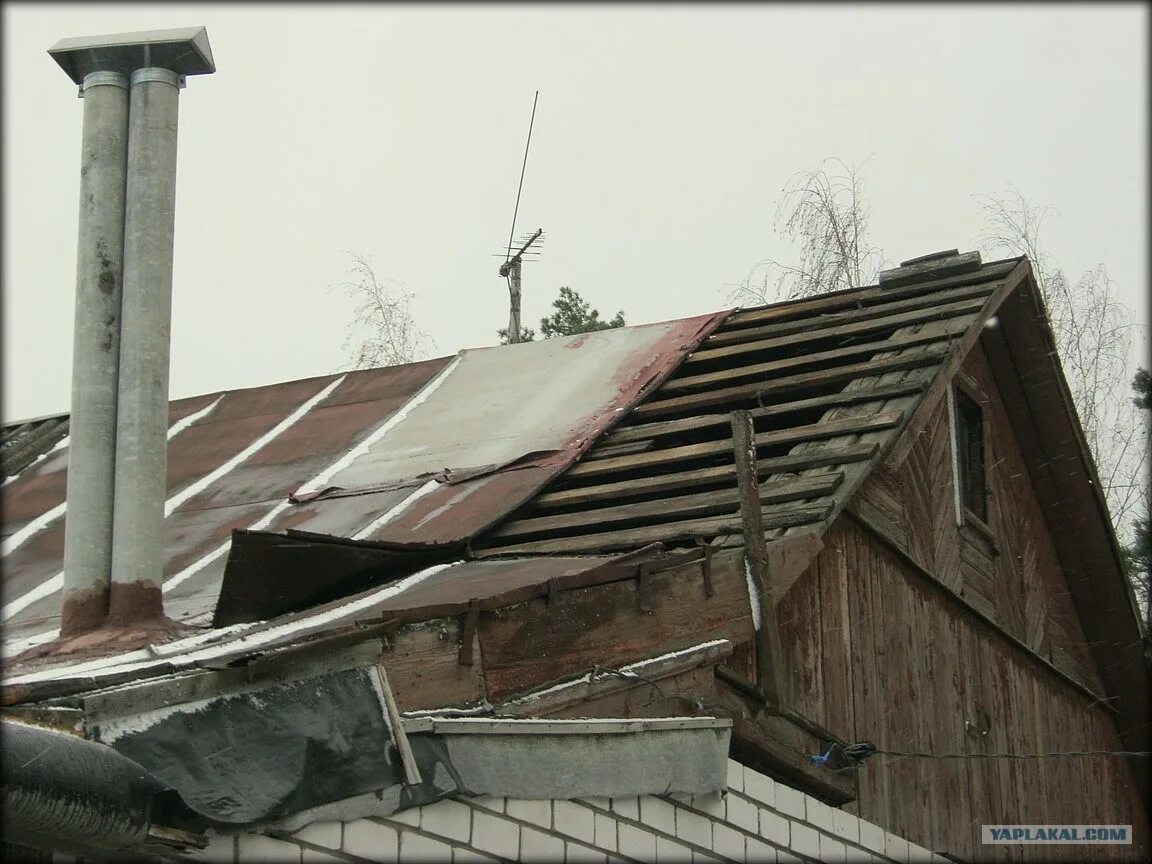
x,y
423,456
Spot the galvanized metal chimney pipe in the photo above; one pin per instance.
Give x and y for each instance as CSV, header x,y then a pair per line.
x,y
142,405
95,352
139,221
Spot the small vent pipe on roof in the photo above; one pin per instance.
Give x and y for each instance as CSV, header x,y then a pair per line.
x,y
114,533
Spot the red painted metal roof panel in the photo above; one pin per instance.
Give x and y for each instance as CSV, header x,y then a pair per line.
x,y
488,428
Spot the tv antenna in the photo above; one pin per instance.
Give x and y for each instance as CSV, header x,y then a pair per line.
x,y
510,269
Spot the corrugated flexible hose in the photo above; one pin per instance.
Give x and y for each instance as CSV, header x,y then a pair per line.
x,y
64,791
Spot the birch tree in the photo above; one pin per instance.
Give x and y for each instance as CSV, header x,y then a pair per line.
x,y
826,216
1094,332
383,331
823,211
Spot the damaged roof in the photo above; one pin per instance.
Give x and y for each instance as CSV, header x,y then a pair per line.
x,y
829,382
408,463
494,471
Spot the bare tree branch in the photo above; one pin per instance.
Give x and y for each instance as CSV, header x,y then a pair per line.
x,y
1093,331
826,215
383,331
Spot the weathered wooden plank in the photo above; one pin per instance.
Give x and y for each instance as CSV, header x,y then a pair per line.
x,y
605,449
836,636
730,335
861,508
594,695
686,479
871,683
943,380
776,516
645,431
801,636
909,274
879,501
908,621
855,475
808,432
860,297
789,383
665,509
529,645
641,699
424,671
773,367
873,679
774,745
768,659
861,322
788,557
946,735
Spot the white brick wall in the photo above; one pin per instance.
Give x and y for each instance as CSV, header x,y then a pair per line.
x,y
757,819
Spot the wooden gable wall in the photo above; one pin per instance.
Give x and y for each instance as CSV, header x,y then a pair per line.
x,y
920,635
1011,573
880,652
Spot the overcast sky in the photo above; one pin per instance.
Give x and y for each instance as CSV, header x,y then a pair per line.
x,y
663,138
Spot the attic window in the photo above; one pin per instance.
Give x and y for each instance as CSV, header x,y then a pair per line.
x,y
968,454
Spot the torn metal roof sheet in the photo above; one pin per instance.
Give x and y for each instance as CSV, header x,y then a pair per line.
x,y
426,455
438,590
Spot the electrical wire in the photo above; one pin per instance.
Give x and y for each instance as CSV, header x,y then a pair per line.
x,y
1065,753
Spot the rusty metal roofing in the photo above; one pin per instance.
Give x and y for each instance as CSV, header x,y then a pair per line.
x,y
439,590
424,456
293,497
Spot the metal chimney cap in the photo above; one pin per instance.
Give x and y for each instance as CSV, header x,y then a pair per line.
x,y
184,50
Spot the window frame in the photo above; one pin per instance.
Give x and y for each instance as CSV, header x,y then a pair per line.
x,y
965,515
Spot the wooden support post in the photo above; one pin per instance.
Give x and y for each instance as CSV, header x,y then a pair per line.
x,y
768,659
407,758
706,566
643,589
468,632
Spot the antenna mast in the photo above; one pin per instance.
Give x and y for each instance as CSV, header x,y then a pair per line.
x,y
510,269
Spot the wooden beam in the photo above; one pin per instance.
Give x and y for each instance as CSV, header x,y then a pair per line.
x,y
777,746
943,380
788,557
844,324
525,647
719,473
918,271
396,726
859,297
768,656
788,384
604,448
775,516
558,697
647,431
756,370
700,504
808,432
